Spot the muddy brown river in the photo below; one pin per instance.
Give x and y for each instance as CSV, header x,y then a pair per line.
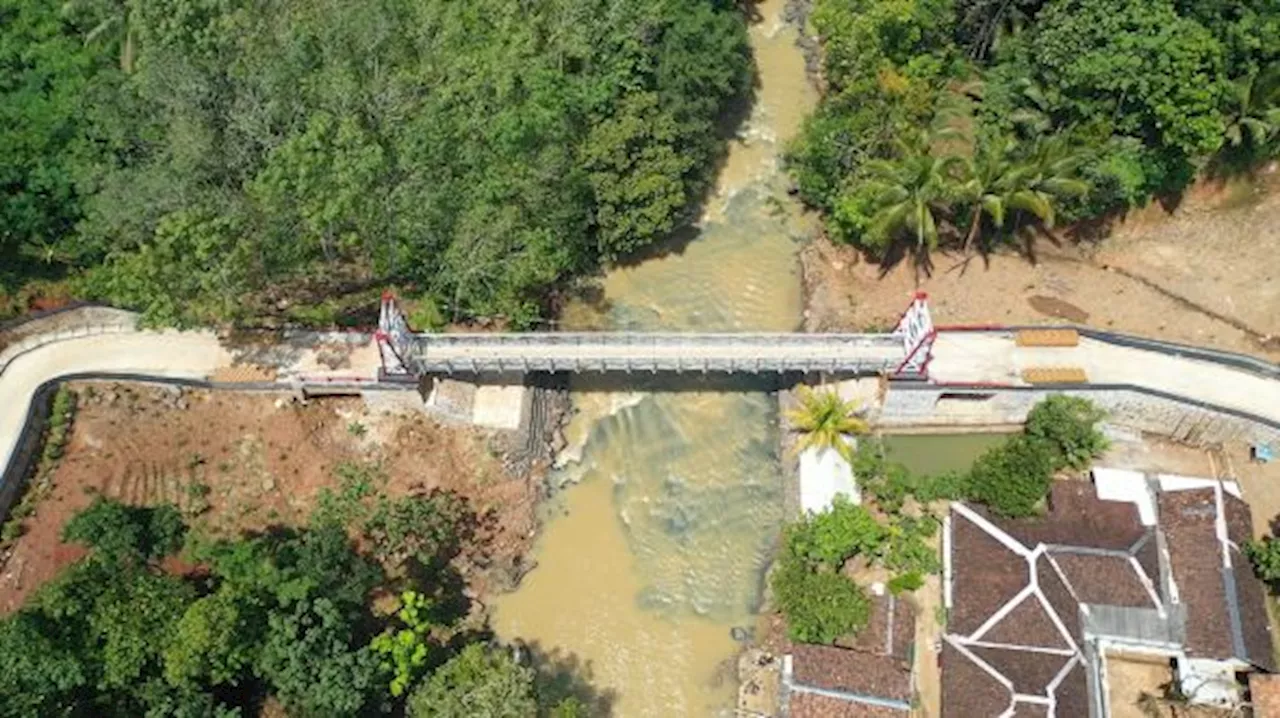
x,y
657,548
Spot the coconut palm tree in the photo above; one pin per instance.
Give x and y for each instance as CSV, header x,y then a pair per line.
x,y
997,183
1038,185
911,193
1255,113
823,420
983,186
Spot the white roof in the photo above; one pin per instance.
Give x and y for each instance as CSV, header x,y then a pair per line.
x,y
1209,682
1126,485
823,474
1177,482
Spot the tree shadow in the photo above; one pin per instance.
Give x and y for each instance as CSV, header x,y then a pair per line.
x,y
1274,525
750,9
562,676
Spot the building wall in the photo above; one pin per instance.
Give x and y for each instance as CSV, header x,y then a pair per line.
x,y
911,405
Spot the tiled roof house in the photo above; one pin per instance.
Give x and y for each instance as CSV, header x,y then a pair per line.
x,y
869,676
1035,605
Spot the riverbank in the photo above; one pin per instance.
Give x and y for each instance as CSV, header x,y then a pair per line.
x,y
1202,274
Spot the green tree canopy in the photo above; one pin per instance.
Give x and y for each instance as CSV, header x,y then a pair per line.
x,y
477,682
214,161
1133,97
1133,66
1069,425
820,605
118,531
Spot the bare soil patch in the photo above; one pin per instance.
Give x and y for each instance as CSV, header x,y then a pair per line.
x,y
1206,273
245,461
1128,680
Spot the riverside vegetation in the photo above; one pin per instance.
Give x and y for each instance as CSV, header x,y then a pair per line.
x,y
1012,479
1041,112
208,161
358,613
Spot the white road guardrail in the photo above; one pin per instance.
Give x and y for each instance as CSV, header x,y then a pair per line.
x,y
13,351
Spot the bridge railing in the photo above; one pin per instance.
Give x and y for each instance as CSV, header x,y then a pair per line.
x,y
424,342
679,352
652,364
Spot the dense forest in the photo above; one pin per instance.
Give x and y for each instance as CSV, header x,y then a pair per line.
x,y
301,621
219,160
980,122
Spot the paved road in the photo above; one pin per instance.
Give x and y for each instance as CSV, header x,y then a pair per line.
x,y
991,357
171,354
959,357
187,355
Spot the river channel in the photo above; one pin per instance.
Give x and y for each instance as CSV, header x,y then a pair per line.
x,y
657,548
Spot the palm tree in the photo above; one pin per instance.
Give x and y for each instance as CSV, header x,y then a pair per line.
x,y
824,420
1255,115
983,187
910,194
119,20
1050,175
995,182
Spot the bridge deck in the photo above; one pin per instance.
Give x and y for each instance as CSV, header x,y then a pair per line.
x,y
864,353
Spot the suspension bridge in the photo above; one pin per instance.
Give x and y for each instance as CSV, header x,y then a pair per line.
x,y
902,352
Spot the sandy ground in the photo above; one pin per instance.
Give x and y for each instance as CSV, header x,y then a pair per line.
x,y
1130,676
264,460
1260,484
1204,274
929,630
1129,679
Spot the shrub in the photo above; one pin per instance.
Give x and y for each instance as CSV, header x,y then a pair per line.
x,y
950,485
404,652
820,606
906,545
424,528
357,483
1265,556
905,582
1069,426
1013,478
117,531
831,537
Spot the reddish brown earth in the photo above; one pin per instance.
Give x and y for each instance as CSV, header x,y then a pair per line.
x,y
264,460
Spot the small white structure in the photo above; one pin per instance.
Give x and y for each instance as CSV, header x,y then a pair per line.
x,y
499,407
824,473
1126,485
1177,482
1209,682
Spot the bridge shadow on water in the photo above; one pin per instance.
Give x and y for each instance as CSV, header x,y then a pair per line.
x,y
662,382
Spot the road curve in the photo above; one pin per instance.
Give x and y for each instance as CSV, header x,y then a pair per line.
x,y
171,354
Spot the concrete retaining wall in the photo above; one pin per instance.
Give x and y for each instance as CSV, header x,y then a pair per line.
x,y
26,453
912,405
